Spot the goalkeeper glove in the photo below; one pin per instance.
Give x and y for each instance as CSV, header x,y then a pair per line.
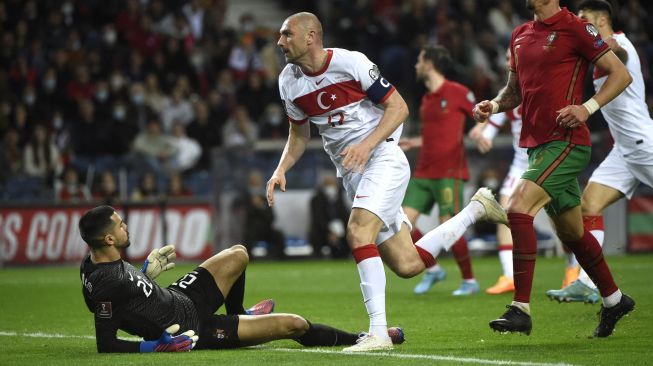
x,y
169,343
158,261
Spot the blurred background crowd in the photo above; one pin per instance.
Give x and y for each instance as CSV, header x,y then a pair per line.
x,y
129,99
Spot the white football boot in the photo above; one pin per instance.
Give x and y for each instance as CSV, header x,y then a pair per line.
x,y
370,342
493,210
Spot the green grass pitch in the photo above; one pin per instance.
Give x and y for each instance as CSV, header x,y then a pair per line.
x,y
44,320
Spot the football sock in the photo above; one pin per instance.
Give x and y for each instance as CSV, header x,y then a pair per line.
x,y
324,335
612,300
234,301
524,254
372,275
595,226
505,257
590,256
448,233
416,235
461,254
523,306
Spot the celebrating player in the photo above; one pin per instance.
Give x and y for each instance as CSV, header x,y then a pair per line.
x,y
359,115
629,161
549,58
122,297
442,165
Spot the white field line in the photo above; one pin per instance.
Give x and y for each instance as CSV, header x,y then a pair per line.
x,y
324,351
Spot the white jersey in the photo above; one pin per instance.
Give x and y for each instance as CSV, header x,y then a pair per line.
x,y
342,100
497,121
627,114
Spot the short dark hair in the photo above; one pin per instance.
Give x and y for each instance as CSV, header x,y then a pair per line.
x,y
596,5
439,56
94,224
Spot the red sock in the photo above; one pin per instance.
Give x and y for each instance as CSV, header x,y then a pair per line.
x,y
461,253
426,257
366,251
503,247
593,222
590,256
416,235
523,254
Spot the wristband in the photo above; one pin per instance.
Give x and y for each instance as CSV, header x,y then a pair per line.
x,y
495,107
591,105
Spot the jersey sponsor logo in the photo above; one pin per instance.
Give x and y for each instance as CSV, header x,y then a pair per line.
x,y
104,310
319,81
358,196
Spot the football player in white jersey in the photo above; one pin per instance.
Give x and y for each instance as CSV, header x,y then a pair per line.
x,y
359,115
631,159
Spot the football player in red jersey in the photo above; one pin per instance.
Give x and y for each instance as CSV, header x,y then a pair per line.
x,y
549,59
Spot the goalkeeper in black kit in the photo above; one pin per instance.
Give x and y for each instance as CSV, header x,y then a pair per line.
x,y
181,317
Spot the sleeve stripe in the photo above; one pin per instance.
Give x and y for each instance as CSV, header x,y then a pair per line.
x,y
600,54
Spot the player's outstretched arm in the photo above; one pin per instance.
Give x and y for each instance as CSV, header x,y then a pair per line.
x,y
159,260
508,98
295,147
169,343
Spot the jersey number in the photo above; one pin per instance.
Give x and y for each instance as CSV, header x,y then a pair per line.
x,y
147,287
186,280
332,117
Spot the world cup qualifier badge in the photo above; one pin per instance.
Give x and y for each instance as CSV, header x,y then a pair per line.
x,y
549,41
104,310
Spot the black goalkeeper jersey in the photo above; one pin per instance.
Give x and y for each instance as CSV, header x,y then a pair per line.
x,y
122,297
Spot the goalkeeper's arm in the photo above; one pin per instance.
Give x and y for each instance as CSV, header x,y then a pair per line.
x,y
107,340
159,260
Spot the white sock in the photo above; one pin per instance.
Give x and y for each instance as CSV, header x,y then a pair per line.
x,y
523,306
612,300
571,260
372,277
434,268
448,233
505,257
583,277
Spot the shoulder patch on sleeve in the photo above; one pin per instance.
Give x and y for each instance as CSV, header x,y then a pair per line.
x,y
374,72
591,30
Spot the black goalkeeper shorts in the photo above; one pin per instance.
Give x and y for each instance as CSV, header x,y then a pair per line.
x,y
215,331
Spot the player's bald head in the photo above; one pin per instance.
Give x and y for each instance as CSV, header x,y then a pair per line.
x,y
307,22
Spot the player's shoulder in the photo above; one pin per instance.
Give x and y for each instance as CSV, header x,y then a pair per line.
x,y
460,90
344,56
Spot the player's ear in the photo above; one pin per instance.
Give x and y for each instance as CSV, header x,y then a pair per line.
x,y
109,239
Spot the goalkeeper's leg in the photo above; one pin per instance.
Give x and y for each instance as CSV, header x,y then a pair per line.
x,y
227,268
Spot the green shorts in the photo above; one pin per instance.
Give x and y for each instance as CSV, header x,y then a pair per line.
x,y
423,193
555,167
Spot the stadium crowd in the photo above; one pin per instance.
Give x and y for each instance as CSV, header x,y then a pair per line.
x,y
149,87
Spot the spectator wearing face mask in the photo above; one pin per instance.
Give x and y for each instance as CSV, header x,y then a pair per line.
x,y
274,124
329,216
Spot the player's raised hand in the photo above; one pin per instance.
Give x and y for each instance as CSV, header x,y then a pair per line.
x,y
572,116
482,111
159,260
277,178
356,157
169,343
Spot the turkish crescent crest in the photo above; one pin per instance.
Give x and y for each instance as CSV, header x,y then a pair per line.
x,y
319,101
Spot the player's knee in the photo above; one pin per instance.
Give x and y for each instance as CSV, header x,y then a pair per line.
x,y
571,234
589,207
409,269
357,236
238,254
294,326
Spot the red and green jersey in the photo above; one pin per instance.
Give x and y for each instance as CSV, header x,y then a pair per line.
x,y
551,58
443,115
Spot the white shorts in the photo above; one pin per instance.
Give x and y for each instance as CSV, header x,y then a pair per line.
x,y
380,189
517,169
623,175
